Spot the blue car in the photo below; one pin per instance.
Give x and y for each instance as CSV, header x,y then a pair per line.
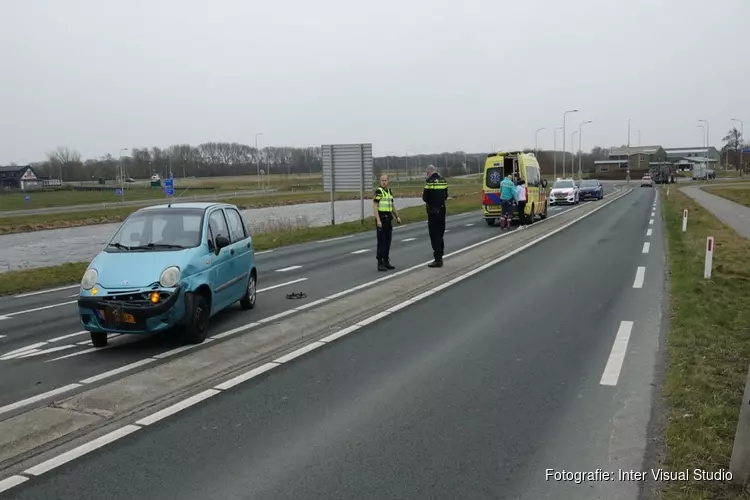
x,y
169,266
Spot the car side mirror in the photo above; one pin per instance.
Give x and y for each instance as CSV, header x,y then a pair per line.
x,y
221,242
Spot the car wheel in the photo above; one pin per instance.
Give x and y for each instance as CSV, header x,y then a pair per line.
x,y
99,339
532,215
490,222
248,301
196,328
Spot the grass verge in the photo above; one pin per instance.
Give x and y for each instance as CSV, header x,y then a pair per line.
x,y
26,280
708,347
738,194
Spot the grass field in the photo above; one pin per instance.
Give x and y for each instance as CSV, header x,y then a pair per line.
x,y
282,235
738,194
29,223
708,347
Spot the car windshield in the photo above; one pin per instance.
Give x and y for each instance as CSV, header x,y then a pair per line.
x,y
159,229
589,184
563,185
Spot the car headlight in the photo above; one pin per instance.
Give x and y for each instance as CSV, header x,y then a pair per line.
x,y
90,277
169,277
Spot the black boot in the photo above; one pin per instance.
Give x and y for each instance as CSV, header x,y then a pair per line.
x,y
436,263
381,266
388,265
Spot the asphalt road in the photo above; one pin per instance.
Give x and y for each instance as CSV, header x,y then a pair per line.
x,y
43,346
544,361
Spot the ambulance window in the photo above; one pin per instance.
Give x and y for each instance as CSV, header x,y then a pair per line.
x,y
533,176
493,177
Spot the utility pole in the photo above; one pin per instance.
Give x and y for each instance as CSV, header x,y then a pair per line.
x,y
554,150
563,127
536,140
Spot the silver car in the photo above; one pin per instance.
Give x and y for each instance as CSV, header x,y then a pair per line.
x,y
564,191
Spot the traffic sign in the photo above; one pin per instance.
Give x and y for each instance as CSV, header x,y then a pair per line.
x,y
746,150
28,198
169,187
118,192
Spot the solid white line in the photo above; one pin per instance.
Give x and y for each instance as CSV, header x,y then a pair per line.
x,y
651,221
20,354
408,239
361,251
312,304
78,353
235,330
285,269
617,355
40,292
400,306
245,376
131,366
3,336
469,224
21,351
336,239
299,352
646,247
11,481
81,450
171,410
181,349
261,290
341,333
277,316
263,252
373,318
38,352
38,397
70,335
649,232
12,315
640,275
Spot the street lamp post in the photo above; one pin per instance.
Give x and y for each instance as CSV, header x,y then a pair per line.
x,y
257,163
580,152
742,134
122,177
536,140
572,164
628,150
708,140
554,151
563,127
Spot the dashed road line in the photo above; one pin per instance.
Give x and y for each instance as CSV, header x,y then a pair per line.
x,y
50,290
651,221
640,276
408,239
617,355
649,232
286,269
336,239
469,224
646,247
361,251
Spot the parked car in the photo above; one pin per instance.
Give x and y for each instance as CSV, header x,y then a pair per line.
x,y
563,191
646,180
169,267
590,189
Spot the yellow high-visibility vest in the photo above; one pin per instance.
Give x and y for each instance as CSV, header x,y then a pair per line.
x,y
385,203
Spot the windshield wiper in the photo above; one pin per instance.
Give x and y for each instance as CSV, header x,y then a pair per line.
x,y
119,245
154,246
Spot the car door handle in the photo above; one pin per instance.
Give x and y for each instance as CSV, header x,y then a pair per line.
x,y
231,251
248,245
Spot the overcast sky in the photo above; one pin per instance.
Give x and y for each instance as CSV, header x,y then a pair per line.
x,y
408,75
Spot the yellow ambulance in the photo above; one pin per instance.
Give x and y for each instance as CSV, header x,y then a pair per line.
x,y
499,165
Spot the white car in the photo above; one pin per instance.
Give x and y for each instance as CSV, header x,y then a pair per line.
x,y
564,191
646,180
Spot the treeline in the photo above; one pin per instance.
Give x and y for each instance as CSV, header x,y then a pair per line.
x,y
215,159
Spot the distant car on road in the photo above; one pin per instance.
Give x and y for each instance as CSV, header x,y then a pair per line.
x,y
647,181
169,266
590,189
564,191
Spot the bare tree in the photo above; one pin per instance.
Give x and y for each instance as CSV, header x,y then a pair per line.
x,y
64,160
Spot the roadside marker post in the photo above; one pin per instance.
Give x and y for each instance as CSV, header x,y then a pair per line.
x,y
709,257
684,220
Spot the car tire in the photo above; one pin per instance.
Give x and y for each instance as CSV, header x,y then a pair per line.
x,y
251,293
99,339
530,219
196,328
490,222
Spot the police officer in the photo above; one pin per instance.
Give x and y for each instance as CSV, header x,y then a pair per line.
x,y
384,211
434,195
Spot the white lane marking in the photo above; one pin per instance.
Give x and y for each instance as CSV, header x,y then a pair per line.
x,y
402,226
653,214
277,316
649,232
77,353
12,315
21,354
2,336
70,335
361,251
400,306
263,252
11,481
447,230
646,247
131,366
285,269
245,376
640,275
336,239
21,351
178,350
38,352
651,221
81,450
38,397
340,333
171,410
617,354
40,292
235,330
469,224
261,290
373,318
314,303
408,239
299,352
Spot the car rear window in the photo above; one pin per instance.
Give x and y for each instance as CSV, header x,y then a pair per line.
x,y
493,177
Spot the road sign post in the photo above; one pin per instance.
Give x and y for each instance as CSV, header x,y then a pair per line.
x,y
347,167
169,187
684,220
709,257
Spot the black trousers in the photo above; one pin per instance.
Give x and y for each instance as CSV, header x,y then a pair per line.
x,y
521,208
436,227
385,234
